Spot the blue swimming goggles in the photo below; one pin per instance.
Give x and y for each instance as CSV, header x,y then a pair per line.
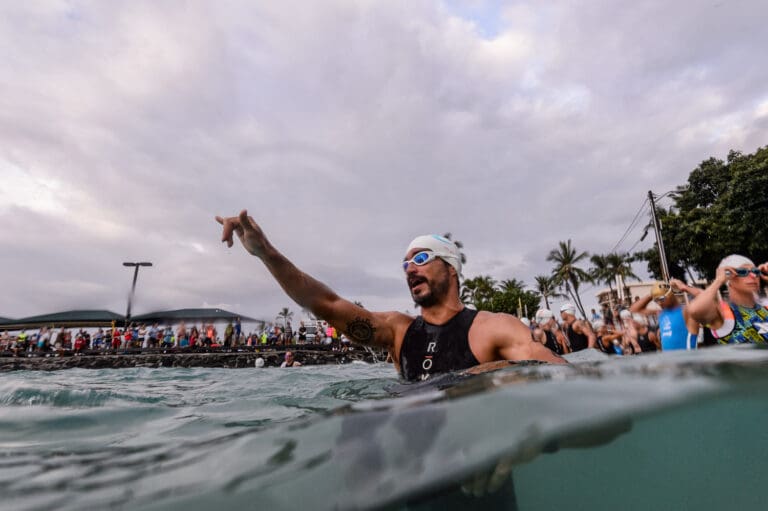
x,y
421,258
743,272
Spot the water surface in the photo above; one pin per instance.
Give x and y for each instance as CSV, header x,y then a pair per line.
x,y
668,431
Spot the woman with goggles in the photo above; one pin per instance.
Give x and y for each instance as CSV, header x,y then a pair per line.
x,y
742,318
445,337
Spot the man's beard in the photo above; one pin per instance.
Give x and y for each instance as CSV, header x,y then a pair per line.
x,y
436,291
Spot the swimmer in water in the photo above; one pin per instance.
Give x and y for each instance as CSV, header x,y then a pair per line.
x,y
447,336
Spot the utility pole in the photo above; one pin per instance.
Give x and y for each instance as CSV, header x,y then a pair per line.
x,y
133,287
659,240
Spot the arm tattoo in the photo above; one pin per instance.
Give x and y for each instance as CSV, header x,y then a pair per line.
x,y
361,330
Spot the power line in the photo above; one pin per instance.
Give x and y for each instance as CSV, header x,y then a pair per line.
x,y
631,226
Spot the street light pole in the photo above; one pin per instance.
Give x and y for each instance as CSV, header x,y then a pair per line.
x,y
133,287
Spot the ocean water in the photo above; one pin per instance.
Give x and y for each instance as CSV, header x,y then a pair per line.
x,y
667,431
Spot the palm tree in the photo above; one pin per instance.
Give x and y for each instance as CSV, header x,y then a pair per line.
x,y
512,285
601,270
286,314
478,290
545,285
566,273
620,266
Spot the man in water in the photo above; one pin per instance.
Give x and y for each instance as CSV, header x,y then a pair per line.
x,y
742,318
446,337
677,329
579,334
290,361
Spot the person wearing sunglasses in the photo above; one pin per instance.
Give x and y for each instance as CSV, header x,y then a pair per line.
x,y
678,330
445,337
742,318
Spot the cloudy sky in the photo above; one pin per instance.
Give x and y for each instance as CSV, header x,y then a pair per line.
x,y
346,128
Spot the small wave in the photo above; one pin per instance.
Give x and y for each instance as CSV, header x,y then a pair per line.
x,y
71,398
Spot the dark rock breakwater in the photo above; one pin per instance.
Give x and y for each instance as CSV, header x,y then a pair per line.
x,y
234,359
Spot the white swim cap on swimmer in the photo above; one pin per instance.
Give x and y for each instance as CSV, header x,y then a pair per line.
x,y
639,318
625,314
444,248
568,308
259,362
735,260
598,324
544,315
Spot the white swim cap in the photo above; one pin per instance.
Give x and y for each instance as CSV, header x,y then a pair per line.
x,y
443,248
568,308
525,321
543,315
598,324
735,260
259,362
640,318
625,314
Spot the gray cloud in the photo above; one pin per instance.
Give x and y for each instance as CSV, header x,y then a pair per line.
x,y
346,129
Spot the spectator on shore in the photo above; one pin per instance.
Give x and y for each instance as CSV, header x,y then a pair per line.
x,y
210,335
98,339
741,318
127,337
194,337
302,333
168,338
229,333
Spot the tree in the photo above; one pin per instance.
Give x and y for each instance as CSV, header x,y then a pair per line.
x,y
721,210
601,271
620,269
566,272
478,291
612,268
509,297
286,314
546,287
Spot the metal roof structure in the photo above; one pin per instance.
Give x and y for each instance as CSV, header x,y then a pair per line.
x,y
104,318
81,318
192,315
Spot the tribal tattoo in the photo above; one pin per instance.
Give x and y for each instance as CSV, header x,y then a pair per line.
x,y
360,330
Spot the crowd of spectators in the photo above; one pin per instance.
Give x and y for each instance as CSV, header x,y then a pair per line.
x,y
141,336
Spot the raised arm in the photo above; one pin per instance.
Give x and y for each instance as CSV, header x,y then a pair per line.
x,y
641,305
685,288
704,307
359,324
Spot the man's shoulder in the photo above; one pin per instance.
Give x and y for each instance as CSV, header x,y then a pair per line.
x,y
497,323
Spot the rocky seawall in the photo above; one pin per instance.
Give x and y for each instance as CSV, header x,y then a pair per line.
x,y
229,359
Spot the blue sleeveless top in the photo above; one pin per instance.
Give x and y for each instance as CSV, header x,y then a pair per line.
x,y
673,331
